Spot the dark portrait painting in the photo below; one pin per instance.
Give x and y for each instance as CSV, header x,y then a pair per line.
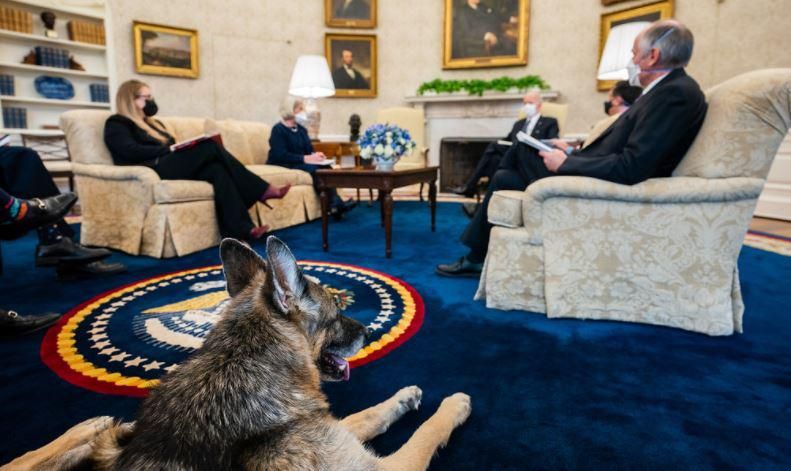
x,y
485,33
350,13
352,60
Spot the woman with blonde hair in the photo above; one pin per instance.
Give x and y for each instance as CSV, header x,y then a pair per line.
x,y
134,137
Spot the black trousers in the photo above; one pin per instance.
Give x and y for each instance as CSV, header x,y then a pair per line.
x,y
487,164
235,187
520,167
22,174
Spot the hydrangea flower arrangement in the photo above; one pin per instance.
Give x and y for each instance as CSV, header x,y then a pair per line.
x,y
385,143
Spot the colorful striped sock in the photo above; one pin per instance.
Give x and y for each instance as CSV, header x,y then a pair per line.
x,y
14,209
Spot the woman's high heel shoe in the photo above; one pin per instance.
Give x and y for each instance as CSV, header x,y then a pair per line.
x,y
273,193
258,232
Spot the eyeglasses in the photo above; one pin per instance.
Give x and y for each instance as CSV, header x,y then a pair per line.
x,y
147,97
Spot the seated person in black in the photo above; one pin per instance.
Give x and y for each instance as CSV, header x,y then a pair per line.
x,y
533,124
290,147
22,174
135,138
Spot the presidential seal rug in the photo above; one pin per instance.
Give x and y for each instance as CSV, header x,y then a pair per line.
x,y
546,393
123,340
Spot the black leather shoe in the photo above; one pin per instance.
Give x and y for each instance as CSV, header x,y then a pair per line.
x,y
79,271
463,191
460,268
67,251
12,324
341,208
43,211
469,209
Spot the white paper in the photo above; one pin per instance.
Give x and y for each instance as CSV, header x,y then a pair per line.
x,y
532,142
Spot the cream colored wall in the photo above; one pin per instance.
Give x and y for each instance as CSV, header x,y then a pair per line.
x,y
248,48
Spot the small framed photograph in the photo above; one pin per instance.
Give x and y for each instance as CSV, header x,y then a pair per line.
x,y
350,13
651,12
485,34
165,50
352,60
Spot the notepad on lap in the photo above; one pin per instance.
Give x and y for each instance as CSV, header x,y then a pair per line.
x,y
192,142
532,142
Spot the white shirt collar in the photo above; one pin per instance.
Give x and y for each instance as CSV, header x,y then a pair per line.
x,y
653,84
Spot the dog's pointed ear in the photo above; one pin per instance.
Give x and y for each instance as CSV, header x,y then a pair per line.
x,y
288,283
240,264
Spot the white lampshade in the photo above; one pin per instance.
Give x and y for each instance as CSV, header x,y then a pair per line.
x,y
311,78
618,51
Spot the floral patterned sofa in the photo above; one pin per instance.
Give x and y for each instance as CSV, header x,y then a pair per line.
x,y
129,208
660,252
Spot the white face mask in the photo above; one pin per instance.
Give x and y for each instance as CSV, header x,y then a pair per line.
x,y
634,74
530,110
301,117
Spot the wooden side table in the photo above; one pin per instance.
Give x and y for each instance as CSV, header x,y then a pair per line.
x,y
385,182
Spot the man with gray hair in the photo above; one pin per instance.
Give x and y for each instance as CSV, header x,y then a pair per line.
x,y
647,141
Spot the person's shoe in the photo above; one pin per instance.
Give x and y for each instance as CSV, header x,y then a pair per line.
x,y
43,211
273,193
67,251
469,209
258,232
460,268
463,190
341,208
12,324
75,271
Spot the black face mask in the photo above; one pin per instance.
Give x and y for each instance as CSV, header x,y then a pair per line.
x,y
607,107
151,108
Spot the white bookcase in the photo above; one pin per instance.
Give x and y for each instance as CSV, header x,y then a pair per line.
x,y
14,46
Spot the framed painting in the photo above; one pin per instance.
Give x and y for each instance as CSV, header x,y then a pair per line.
x,y
607,3
483,35
651,12
165,50
352,60
350,13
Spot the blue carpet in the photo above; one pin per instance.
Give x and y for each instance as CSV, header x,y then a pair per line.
x,y
559,394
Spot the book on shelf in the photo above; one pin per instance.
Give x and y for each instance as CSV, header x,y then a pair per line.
x,y
14,117
7,85
192,142
87,32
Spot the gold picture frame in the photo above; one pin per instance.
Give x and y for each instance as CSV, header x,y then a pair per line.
x,y
355,14
651,12
165,50
360,81
467,34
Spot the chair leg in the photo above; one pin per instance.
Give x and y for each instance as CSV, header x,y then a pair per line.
x,y
420,192
358,195
370,197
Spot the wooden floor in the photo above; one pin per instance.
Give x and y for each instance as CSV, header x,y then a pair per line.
x,y
771,226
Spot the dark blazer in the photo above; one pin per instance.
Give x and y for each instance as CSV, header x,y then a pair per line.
x,y
512,156
545,128
288,148
342,80
131,145
649,139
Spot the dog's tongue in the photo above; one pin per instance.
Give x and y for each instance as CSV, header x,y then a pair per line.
x,y
342,364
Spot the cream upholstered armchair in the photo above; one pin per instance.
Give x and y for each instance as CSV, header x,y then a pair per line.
x,y
660,252
414,121
129,208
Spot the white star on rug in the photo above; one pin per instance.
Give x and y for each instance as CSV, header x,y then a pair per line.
x,y
100,345
120,357
136,362
375,326
98,336
108,351
171,368
154,365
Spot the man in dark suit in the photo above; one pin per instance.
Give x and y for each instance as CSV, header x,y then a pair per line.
x,y
346,76
647,141
475,30
533,124
353,9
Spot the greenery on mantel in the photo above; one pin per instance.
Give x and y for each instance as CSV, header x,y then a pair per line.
x,y
477,87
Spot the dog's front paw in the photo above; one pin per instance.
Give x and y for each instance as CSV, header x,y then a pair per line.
x,y
409,397
458,406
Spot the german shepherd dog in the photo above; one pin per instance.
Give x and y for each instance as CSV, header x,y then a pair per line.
x,y
250,397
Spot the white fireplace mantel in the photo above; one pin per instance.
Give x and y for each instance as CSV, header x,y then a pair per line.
x,y
462,115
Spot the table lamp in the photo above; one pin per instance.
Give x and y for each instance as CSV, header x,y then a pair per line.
x,y
310,80
618,50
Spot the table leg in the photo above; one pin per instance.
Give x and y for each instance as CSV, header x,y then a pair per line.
x,y
432,202
380,197
387,208
325,217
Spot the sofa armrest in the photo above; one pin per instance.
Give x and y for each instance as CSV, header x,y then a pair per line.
x,y
142,174
674,190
